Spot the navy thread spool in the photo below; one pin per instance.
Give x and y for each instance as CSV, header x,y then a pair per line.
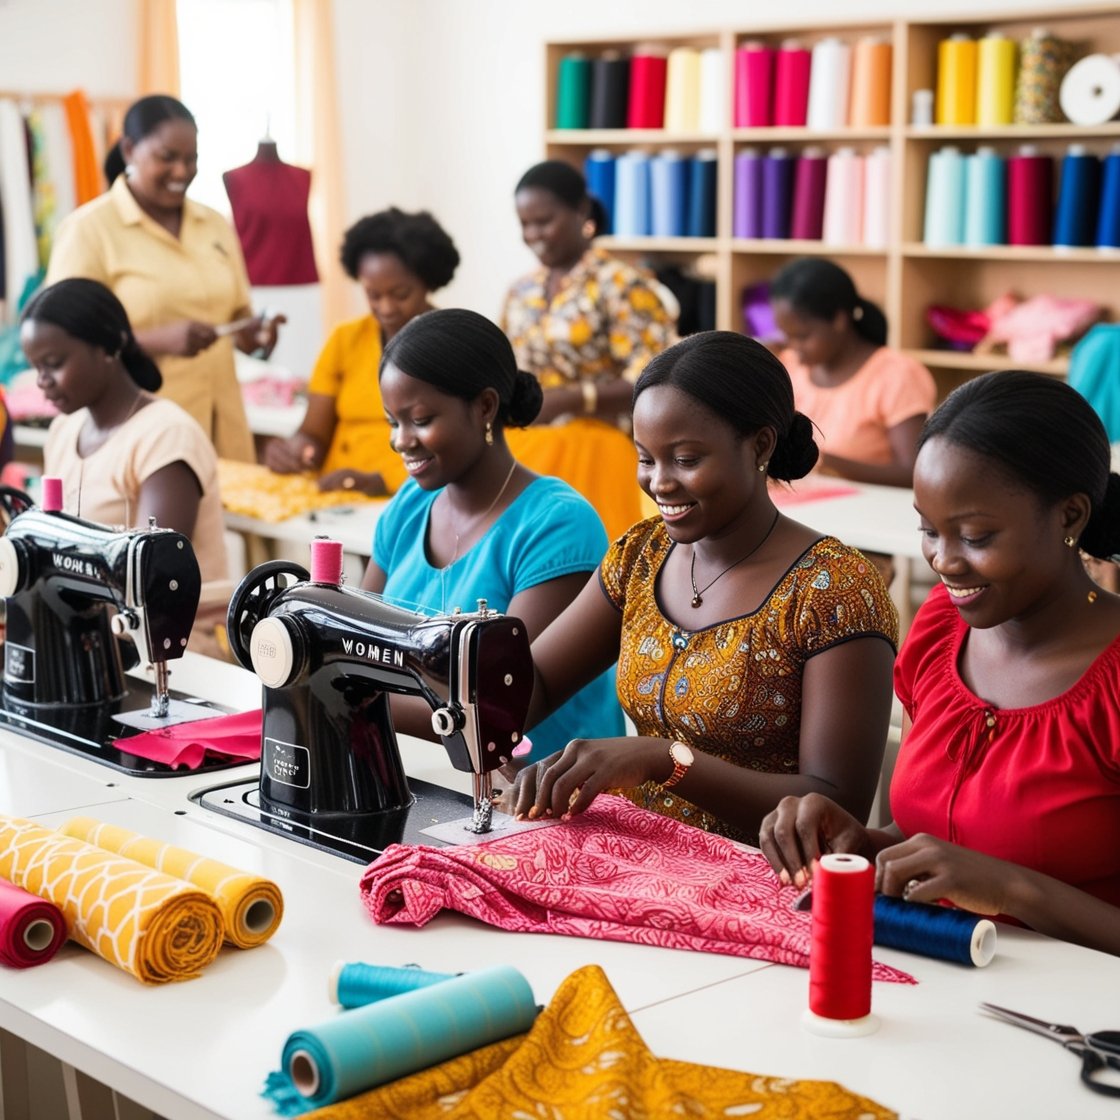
x,y
1108,221
1075,219
934,931
702,194
356,985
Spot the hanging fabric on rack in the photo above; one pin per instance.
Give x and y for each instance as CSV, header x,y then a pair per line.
x,y
21,255
88,181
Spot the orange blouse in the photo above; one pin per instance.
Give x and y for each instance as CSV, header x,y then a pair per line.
x,y
733,690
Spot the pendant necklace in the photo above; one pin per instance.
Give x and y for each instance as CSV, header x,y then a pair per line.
x,y
698,592
459,536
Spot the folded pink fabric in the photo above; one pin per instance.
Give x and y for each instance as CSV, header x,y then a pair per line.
x,y
615,873
189,745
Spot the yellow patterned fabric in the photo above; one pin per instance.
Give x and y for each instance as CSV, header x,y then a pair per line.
x,y
251,906
255,491
585,1060
733,690
156,927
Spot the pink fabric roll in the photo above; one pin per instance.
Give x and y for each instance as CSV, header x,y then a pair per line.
x,y
754,86
809,180
791,85
616,873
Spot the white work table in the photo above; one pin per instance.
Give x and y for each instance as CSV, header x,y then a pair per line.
x,y
200,1050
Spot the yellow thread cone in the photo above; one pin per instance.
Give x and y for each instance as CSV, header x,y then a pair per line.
x,y
251,906
147,923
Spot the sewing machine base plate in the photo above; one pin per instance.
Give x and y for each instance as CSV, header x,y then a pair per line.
x,y
92,732
360,837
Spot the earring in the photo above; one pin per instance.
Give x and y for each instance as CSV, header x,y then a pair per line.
x,y
762,467
489,434
129,170
1069,542
588,229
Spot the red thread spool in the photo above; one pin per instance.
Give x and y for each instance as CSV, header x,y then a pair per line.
x,y
326,561
51,494
1030,197
840,951
646,109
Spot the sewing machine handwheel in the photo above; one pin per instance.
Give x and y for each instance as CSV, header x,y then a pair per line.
x,y
14,502
252,599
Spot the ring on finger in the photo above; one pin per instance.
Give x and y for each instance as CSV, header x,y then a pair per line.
x,y
910,887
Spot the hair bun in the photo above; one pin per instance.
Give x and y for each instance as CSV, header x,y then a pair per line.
x,y
796,453
1101,537
525,401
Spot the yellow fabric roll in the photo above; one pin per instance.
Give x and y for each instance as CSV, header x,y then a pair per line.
x,y
251,906
586,1060
956,80
150,924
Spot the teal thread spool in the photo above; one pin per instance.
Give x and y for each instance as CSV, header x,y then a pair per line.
x,y
357,984
573,92
945,198
985,220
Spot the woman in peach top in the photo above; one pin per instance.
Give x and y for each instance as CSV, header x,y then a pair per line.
x,y
869,402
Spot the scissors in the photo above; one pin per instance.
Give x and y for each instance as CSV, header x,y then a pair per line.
x,y
1097,1050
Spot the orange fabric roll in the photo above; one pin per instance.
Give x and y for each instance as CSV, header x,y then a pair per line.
x,y
870,104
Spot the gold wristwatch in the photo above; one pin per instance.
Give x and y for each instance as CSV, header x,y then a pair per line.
x,y
682,758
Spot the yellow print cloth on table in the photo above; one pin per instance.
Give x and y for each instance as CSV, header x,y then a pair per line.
x,y
254,491
157,927
584,1060
251,906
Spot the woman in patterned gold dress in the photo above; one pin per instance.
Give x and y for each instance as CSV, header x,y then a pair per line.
x,y
754,654
586,324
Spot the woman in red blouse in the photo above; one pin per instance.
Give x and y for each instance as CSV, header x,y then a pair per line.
x,y
1006,795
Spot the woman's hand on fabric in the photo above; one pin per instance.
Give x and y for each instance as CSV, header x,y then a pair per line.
x,y
566,783
298,452
926,869
801,829
362,482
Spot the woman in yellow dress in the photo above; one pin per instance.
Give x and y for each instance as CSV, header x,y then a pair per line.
x,y
176,265
399,259
586,324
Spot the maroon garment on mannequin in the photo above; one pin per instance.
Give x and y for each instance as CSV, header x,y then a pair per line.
x,y
269,200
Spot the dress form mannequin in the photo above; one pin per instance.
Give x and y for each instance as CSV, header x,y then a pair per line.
x,y
269,201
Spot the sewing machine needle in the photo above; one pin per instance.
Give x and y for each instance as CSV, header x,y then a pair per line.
x,y
483,801
160,701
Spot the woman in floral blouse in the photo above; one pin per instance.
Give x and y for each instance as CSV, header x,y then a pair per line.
x,y
585,324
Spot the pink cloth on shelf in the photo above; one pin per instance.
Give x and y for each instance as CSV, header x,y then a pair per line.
x,y
1033,328
615,873
189,745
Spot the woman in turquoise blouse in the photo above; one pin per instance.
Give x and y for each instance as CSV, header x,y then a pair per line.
x,y
472,523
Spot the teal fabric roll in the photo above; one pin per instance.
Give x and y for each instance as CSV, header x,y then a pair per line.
x,y
383,1041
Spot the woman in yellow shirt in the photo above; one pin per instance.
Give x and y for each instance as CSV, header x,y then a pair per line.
x,y
399,259
176,265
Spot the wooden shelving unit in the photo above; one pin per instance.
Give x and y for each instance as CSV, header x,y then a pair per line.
x,y
906,276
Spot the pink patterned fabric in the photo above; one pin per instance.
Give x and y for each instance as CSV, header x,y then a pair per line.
x,y
616,873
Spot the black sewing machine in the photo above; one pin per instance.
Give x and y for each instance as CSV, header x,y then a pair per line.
x,y
82,600
329,657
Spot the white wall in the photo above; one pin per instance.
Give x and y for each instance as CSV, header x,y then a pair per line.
x,y
54,46
442,101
